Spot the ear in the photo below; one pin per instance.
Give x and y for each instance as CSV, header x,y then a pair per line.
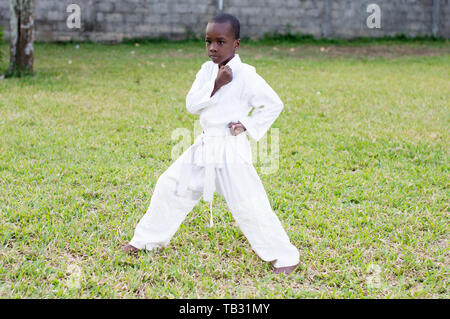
x,y
237,43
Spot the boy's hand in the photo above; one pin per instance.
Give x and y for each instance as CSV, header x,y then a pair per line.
x,y
224,76
236,128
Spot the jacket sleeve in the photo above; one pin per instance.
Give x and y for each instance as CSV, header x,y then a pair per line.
x,y
267,106
199,95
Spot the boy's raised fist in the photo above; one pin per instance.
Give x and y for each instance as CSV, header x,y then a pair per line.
x,y
224,76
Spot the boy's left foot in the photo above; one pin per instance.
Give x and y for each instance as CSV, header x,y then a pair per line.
x,y
129,249
284,270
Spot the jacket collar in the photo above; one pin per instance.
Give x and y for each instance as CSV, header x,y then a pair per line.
x,y
235,62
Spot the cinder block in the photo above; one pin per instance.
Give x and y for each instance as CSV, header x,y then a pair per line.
x,y
154,18
100,17
125,7
182,8
133,18
55,16
160,7
293,3
143,28
114,17
160,29
105,6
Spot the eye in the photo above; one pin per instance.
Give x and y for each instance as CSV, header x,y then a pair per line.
x,y
220,42
208,41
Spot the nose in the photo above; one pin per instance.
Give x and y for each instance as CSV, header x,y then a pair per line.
x,y
212,48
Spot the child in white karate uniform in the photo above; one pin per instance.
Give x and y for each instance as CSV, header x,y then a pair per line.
x,y
224,92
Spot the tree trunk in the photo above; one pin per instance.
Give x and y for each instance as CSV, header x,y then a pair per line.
x,y
22,37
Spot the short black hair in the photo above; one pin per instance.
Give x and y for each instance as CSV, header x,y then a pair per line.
x,y
234,22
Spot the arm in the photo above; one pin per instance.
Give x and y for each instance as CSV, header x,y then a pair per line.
x,y
199,95
203,89
267,106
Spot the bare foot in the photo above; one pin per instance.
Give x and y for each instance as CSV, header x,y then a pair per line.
x,y
284,270
129,249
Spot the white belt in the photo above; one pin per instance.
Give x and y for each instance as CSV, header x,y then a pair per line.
x,y
212,157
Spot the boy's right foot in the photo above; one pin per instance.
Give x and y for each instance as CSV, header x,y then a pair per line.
x,y
129,249
285,270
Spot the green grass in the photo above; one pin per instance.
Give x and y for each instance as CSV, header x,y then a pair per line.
x,y
362,187
298,38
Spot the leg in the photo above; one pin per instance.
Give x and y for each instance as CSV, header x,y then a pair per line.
x,y
167,209
250,207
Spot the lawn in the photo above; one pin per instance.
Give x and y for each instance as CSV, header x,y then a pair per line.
x,y
362,184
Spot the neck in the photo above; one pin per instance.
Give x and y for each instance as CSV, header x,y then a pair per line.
x,y
226,61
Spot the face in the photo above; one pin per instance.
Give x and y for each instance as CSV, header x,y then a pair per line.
x,y
220,42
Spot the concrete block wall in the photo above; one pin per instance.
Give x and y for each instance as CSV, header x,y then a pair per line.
x,y
113,20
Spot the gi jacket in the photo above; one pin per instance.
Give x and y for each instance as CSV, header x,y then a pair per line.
x,y
233,102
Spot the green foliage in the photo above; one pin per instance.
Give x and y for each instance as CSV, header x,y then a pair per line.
x,y
18,72
287,37
299,38
361,189
1,44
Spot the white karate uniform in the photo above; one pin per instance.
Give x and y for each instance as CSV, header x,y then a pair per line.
x,y
220,162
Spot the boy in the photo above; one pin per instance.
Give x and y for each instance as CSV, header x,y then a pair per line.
x,y
223,93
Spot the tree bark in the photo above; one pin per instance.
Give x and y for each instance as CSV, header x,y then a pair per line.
x,y
22,37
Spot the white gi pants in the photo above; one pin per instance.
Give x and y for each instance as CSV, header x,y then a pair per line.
x,y
232,176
